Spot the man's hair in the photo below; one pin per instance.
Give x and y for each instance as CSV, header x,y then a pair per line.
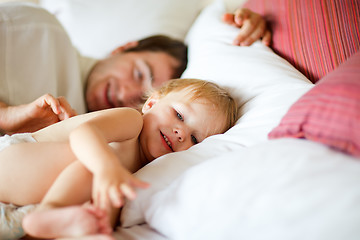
x,y
160,43
221,99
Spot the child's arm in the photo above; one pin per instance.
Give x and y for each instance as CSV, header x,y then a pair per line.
x,y
89,142
60,131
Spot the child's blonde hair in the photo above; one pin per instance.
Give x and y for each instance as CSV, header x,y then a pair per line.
x,y
200,89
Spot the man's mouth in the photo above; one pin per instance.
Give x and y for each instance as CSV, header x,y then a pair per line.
x,y
167,141
108,96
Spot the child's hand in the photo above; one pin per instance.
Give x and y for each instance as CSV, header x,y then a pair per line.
x,y
113,185
253,27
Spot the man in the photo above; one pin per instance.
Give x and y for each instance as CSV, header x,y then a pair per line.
x,y
38,59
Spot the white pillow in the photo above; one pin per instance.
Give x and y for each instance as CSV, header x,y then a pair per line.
x,y
278,190
264,82
98,27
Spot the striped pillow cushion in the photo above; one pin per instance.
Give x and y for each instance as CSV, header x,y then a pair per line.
x,y
314,36
330,112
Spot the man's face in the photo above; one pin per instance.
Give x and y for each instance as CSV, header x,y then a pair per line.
x,y
121,79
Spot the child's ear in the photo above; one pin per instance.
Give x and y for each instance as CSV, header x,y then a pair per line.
x,y
150,102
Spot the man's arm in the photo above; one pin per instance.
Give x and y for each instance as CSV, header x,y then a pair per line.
x,y
31,117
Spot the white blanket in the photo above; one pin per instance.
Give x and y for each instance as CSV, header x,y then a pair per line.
x,y
10,220
278,190
240,185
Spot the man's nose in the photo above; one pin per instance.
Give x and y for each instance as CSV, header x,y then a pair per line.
x,y
130,95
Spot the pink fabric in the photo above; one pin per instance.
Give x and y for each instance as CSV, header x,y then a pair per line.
x,y
315,36
330,112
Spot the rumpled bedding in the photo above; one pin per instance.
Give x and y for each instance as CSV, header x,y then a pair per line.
x,y
10,220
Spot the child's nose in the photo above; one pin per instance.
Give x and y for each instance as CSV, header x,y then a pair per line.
x,y
179,134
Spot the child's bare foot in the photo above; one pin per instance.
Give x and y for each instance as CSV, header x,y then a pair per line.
x,y
75,221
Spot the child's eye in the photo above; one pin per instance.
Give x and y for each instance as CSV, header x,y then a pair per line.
x,y
179,116
194,140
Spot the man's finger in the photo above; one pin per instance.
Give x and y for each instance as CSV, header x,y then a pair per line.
x,y
257,33
240,15
228,18
66,110
49,100
267,38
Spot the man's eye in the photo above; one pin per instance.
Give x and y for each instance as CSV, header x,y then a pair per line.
x,y
194,140
179,116
138,75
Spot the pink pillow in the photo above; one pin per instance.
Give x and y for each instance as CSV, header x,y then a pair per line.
x,y
315,36
330,112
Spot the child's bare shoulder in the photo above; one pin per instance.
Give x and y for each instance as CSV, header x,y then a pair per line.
x,y
123,114
120,123
122,110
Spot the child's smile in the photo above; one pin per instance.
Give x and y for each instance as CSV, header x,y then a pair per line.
x,y
166,142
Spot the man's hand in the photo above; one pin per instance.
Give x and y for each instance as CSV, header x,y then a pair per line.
x,y
253,27
38,114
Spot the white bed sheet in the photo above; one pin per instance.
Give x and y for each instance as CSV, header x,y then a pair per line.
x,y
240,185
263,82
279,189
138,232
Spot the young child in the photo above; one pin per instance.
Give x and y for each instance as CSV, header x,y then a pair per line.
x,y
93,156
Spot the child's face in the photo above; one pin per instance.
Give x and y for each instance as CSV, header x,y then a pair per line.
x,y
174,123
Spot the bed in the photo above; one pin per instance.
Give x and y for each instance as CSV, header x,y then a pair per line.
x,y
290,167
